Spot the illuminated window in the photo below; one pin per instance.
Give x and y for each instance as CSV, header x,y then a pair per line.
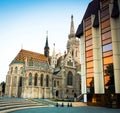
x,y
88,32
108,60
90,85
109,53
89,64
89,53
89,59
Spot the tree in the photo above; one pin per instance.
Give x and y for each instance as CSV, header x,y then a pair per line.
x,y
3,87
110,71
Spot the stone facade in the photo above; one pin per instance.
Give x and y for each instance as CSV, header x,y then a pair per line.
x,y
35,75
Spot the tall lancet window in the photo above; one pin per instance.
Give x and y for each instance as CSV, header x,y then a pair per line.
x,y
70,78
16,70
47,81
30,79
41,80
35,79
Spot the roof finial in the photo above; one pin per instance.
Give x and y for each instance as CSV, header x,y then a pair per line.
x,y
47,34
72,17
72,33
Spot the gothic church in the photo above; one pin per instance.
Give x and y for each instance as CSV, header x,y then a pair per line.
x,y
36,75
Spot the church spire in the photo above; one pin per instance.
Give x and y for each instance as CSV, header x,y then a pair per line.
x,y
46,48
72,32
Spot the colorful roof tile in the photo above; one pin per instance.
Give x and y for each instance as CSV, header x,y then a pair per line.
x,y
25,54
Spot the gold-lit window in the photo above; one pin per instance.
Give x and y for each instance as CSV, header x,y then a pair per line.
x,y
108,60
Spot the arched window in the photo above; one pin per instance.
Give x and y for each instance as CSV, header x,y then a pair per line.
x,y
30,79
35,79
16,70
11,69
70,78
47,81
15,80
41,80
21,70
20,82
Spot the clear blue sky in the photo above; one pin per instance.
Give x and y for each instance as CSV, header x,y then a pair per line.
x,y
23,24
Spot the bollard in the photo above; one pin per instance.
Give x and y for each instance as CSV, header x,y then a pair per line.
x,y
62,105
56,104
68,105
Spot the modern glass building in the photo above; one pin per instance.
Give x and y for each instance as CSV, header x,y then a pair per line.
x,y
99,33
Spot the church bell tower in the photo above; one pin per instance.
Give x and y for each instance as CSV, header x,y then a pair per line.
x,y
73,43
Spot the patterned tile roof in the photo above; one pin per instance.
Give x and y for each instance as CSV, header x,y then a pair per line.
x,y
23,54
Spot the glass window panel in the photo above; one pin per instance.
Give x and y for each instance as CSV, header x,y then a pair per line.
x,y
108,60
107,41
106,29
88,37
89,58
90,70
88,27
89,64
107,47
106,35
87,22
106,24
106,79
109,53
105,3
90,82
90,74
89,53
88,32
89,42
104,12
105,18
89,48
